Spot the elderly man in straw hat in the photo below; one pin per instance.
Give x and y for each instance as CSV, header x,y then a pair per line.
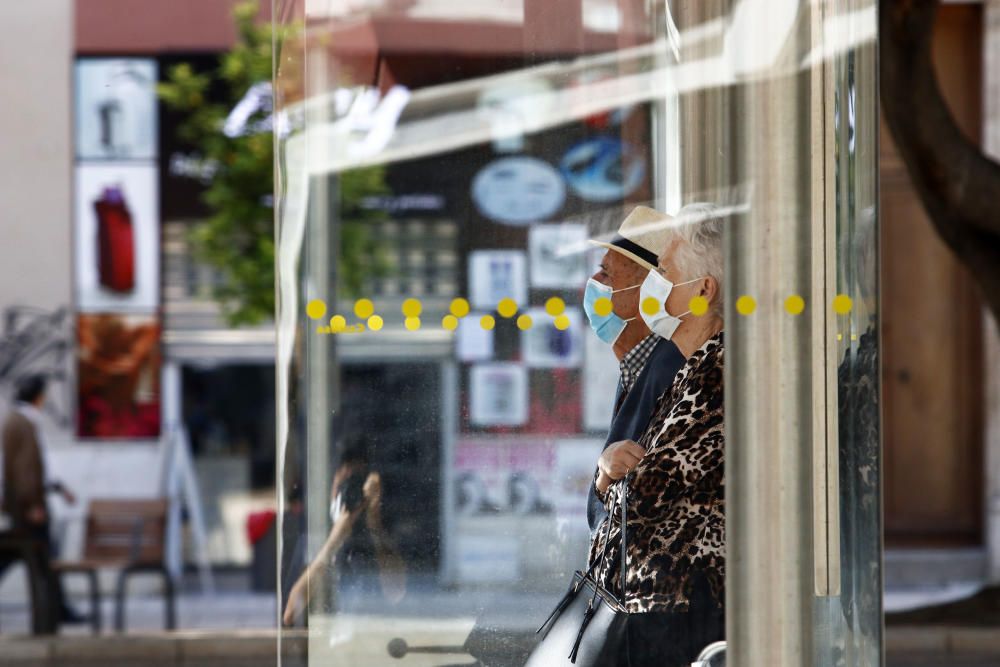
x,y
648,362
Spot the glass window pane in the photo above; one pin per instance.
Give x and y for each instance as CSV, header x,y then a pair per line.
x,y
510,234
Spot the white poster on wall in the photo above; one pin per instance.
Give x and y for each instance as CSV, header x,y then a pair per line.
x,y
545,346
496,275
116,109
498,394
558,256
472,341
600,381
117,237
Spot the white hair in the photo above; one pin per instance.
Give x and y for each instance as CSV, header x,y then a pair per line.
x,y
698,227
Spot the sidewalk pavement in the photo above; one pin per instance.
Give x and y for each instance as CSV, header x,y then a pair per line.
x,y
234,627
905,647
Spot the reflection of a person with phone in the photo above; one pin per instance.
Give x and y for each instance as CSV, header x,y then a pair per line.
x,y
358,544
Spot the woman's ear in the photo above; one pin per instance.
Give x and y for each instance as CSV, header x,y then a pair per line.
x,y
709,288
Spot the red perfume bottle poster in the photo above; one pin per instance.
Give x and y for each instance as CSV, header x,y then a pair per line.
x,y
115,242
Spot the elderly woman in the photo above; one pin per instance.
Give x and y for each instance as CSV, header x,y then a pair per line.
x,y
675,569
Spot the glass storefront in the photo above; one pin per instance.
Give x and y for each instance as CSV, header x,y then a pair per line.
x,y
446,379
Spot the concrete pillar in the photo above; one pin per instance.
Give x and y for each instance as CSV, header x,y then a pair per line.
x,y
36,176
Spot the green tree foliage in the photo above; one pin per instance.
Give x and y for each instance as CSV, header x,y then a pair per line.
x,y
238,237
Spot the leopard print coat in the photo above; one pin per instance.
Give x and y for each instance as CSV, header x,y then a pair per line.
x,y
675,502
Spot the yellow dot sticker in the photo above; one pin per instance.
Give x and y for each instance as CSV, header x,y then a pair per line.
x,y
507,307
795,304
524,322
487,322
412,323
650,306
316,309
603,306
449,322
338,323
555,306
412,308
459,307
364,308
562,322
842,304
375,323
745,305
698,305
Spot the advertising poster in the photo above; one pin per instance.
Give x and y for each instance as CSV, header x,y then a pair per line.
x,y
499,476
518,190
512,498
545,346
117,259
496,275
558,256
116,109
499,394
118,370
600,382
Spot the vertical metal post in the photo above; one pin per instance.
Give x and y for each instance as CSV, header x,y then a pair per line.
x,y
772,388
320,374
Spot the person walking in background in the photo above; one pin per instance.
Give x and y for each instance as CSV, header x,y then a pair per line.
x,y
647,362
25,481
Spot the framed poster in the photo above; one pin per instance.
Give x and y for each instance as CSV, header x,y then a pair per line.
x,y
496,275
118,375
473,342
117,258
545,346
498,394
558,256
116,109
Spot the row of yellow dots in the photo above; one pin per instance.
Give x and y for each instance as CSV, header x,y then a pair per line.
x,y
554,306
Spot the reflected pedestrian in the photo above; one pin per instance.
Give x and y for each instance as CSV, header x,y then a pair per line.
x,y
358,546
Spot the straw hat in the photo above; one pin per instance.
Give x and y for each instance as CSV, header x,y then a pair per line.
x,y
642,237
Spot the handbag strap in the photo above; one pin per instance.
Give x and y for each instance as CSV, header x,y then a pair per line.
x,y
623,573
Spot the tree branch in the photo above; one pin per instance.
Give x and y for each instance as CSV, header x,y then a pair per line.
x,y
955,181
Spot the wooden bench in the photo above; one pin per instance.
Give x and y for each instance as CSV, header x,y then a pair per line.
x,y
127,535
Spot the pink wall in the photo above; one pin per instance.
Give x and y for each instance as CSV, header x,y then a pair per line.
x,y
154,26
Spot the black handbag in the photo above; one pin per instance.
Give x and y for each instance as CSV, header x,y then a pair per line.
x,y
588,627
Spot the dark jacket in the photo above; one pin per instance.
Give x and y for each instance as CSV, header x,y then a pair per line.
x,y
633,412
23,468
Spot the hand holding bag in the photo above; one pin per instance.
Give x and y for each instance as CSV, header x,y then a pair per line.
x,y
588,628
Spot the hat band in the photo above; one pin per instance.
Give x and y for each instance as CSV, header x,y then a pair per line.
x,y
635,249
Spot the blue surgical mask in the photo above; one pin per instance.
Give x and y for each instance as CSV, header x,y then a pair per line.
x,y
607,327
